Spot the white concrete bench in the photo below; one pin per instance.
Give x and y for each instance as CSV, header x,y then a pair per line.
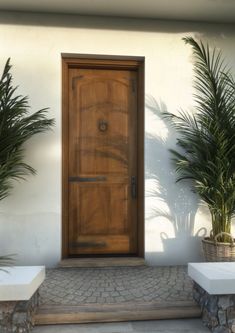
x,y
214,291
19,297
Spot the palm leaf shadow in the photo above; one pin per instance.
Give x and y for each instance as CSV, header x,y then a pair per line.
x,y
181,207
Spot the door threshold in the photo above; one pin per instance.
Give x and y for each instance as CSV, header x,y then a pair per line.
x,y
102,262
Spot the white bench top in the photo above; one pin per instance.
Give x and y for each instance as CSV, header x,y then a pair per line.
x,y
20,282
217,278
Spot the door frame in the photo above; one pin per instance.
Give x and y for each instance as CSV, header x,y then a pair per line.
x,y
70,60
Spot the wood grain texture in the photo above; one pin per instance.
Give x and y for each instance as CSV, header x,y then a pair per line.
x,y
97,89
102,145
140,157
116,312
102,262
65,172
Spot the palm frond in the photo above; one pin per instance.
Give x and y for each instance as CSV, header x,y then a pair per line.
x,y
207,139
17,125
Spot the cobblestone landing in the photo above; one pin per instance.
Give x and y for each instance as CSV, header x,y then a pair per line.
x,y
75,286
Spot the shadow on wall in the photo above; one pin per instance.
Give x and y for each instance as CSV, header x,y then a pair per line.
x,y
168,201
214,30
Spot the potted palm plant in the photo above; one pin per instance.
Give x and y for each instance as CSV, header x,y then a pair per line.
x,y
17,125
206,142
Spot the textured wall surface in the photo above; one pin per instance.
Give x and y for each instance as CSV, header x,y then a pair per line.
x,y
18,316
218,312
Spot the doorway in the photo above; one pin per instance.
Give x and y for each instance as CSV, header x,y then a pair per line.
x,y
103,156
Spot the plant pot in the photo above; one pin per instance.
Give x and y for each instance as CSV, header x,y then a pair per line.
x,y
218,251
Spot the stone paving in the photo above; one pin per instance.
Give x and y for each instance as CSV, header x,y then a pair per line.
x,y
75,286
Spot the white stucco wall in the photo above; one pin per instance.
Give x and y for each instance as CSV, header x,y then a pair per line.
x,y
30,220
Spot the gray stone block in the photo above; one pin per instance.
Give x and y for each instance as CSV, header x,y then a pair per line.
x,y
17,317
218,311
224,302
222,317
220,329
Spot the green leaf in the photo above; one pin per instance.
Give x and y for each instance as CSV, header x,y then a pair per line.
x,y
206,140
17,126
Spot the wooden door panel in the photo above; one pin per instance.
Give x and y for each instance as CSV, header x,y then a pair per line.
x,y
102,160
102,244
101,208
97,101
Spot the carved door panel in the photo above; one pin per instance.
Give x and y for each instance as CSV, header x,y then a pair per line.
x,y
102,161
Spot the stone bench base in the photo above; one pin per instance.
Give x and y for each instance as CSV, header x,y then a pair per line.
x,y
19,297
18,316
218,311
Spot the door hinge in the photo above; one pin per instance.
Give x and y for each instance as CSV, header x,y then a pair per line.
x,y
87,179
87,244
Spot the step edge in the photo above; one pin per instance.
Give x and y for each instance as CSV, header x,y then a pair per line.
x,y
72,318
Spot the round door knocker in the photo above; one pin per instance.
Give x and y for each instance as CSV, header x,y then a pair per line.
x,y
103,125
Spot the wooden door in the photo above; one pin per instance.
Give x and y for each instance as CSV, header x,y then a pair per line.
x,y
102,161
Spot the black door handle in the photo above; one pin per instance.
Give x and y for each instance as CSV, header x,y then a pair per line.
x,y
134,187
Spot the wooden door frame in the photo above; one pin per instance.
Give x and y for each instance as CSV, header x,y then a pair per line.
x,y
103,62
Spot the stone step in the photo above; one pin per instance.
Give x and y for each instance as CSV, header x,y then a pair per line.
x,y
95,313
102,262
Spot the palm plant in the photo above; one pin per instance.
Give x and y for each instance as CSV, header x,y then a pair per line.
x,y
17,125
206,140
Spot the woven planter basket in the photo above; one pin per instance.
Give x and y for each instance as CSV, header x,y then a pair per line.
x,y
216,251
